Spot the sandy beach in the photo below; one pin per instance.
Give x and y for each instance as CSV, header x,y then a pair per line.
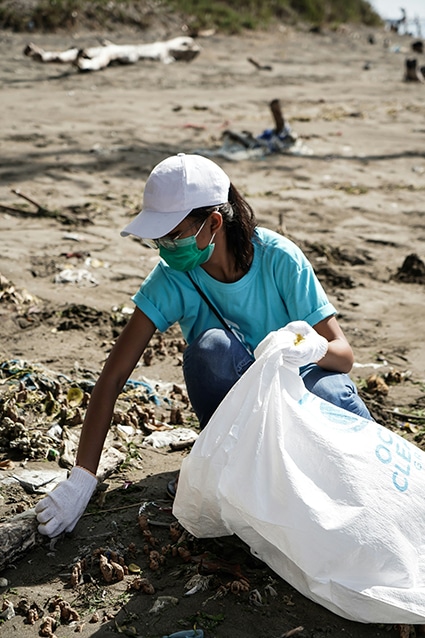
x,y
80,147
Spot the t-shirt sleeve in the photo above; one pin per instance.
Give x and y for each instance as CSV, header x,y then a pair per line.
x,y
301,291
311,298
159,299
167,297
146,306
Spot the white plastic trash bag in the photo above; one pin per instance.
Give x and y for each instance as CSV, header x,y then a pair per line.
x,y
332,502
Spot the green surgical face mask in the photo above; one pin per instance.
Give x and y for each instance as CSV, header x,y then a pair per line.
x,y
186,255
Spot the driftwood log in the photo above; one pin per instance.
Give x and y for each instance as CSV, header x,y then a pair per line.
x,y
19,534
183,48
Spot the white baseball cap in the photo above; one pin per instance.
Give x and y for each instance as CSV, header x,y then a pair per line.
x,y
176,186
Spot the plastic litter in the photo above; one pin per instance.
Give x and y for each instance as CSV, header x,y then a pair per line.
x,y
243,145
177,435
36,481
75,276
8,612
133,384
162,602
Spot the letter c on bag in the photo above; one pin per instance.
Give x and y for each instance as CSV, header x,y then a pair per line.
x,y
383,454
403,485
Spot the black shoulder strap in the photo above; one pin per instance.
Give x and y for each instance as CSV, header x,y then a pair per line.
x,y
217,314
208,302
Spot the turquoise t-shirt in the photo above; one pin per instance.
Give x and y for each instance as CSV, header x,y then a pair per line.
x,y
279,287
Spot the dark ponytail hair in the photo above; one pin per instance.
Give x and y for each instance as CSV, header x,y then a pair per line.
x,y
239,225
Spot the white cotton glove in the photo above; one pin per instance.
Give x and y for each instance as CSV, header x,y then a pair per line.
x,y
60,510
307,346
297,344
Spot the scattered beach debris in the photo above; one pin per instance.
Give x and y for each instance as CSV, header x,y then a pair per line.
x,y
260,67
417,46
244,145
79,276
8,610
376,385
41,413
17,299
28,311
412,270
198,582
413,72
182,48
36,481
73,217
171,437
162,602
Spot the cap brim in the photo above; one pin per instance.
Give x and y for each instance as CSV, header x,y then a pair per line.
x,y
151,224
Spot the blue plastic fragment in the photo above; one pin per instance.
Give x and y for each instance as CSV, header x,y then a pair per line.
x,y
132,383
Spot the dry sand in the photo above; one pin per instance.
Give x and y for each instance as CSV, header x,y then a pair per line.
x,y
84,144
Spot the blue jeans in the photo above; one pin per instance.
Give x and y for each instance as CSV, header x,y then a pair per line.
x,y
216,360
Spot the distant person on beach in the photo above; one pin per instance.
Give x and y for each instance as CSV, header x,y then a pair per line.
x,y
400,25
228,283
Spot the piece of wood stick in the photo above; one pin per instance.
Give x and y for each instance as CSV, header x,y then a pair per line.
x,y
28,199
181,445
277,116
261,67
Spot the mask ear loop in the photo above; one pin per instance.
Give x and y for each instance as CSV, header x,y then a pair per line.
x,y
214,234
200,228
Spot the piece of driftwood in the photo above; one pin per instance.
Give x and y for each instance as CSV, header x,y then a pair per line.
x,y
277,116
260,67
19,534
41,211
183,48
181,445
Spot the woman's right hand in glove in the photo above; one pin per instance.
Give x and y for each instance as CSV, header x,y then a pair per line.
x,y
62,508
297,342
